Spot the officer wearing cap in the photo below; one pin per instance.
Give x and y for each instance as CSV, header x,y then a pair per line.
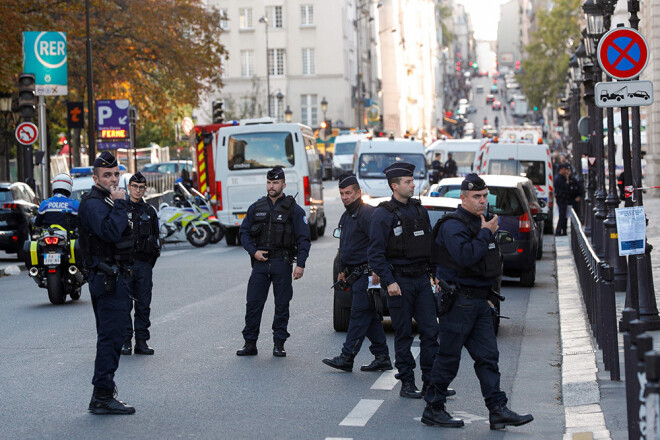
x,y
468,258
146,251
106,240
399,253
275,232
354,226
60,209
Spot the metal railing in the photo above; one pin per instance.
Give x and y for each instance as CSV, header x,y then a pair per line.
x,y
596,280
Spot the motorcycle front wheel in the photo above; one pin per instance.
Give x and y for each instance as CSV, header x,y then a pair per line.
x,y
218,233
199,236
56,293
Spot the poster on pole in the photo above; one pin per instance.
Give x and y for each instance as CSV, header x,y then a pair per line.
x,y
631,230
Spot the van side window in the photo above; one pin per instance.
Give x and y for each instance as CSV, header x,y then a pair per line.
x,y
260,150
312,159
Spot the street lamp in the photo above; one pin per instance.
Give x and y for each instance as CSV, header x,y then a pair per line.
x,y
279,97
264,20
324,107
288,114
586,66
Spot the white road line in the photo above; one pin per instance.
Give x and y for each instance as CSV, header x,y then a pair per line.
x,y
362,412
341,438
387,381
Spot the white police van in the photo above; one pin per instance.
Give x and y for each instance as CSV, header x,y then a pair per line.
x,y
244,153
342,160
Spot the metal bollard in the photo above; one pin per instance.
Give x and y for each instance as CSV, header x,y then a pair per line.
x,y
652,395
636,327
644,345
608,319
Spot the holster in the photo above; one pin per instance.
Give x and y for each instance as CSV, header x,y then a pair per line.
x,y
445,298
110,274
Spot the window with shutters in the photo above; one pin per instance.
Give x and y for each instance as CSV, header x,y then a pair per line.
x,y
274,15
247,63
276,62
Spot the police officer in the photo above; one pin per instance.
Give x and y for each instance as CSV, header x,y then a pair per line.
x,y
59,209
399,253
563,197
145,253
450,168
274,232
468,258
106,241
354,225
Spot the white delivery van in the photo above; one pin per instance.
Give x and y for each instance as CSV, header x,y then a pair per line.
x,y
463,151
342,161
244,153
372,156
531,160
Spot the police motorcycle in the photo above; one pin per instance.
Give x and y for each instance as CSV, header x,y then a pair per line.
x,y
177,223
54,260
197,202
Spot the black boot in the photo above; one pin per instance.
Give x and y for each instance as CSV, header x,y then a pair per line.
x,y
141,347
438,416
278,350
501,416
380,363
127,348
104,402
409,390
342,362
249,349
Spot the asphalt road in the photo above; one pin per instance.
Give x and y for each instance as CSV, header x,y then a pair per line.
x,y
195,386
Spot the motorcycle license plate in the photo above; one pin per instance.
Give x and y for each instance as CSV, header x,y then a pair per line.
x,y
52,259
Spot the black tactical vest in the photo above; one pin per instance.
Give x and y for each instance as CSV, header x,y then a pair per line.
x,y
488,267
144,237
274,229
412,241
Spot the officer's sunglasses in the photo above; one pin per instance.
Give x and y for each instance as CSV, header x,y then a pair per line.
x,y
138,187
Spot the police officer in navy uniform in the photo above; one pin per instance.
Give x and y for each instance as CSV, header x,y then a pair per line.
x,y
144,219
399,253
274,232
106,240
59,209
467,257
354,225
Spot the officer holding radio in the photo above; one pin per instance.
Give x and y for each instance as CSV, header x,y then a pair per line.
x,y
275,232
107,243
144,219
468,262
353,234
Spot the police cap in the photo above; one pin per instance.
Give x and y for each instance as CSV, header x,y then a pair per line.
x,y
138,177
277,173
106,160
473,182
346,180
399,169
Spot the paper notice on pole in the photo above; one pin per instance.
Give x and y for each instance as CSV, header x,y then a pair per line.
x,y
631,228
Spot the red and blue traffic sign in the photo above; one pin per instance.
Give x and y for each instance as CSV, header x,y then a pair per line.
x,y
623,53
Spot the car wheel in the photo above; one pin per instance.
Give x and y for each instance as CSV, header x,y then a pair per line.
x,y
321,229
313,232
527,279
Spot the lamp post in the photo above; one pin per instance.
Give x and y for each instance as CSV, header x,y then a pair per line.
x,y
91,128
264,20
576,81
288,114
324,107
278,114
586,66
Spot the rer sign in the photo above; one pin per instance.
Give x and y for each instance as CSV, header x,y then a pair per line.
x,y
45,55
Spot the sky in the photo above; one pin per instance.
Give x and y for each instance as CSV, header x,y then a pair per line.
x,y
485,16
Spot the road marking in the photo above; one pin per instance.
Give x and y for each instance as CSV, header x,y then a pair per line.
x,y
362,412
339,438
387,381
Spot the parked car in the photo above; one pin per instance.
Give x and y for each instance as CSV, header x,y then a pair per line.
x,y
88,171
480,89
172,167
18,205
81,185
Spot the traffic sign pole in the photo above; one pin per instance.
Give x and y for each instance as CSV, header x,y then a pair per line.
x,y
43,146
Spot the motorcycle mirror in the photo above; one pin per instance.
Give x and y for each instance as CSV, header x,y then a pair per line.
x,y
336,233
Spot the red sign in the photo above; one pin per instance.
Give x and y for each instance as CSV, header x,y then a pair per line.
x,y
26,133
623,53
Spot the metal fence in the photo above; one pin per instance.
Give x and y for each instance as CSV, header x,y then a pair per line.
x,y
596,280
160,183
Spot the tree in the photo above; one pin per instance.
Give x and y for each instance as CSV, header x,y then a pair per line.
x,y
160,54
544,71
447,35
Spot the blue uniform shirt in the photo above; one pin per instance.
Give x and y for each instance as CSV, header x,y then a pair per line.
x,y
383,223
355,225
466,250
58,210
300,230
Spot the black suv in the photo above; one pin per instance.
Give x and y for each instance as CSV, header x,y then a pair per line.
x,y
18,204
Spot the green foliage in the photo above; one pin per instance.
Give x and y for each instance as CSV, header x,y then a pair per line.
x,y
544,71
447,35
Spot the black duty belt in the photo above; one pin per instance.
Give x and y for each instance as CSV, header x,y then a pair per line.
x,y
474,292
364,268
411,270
278,253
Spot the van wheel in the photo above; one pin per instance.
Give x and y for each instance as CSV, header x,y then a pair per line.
x,y
321,229
528,278
313,232
231,234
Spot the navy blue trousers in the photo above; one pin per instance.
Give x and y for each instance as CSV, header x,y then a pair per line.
x,y
469,324
277,271
112,313
416,301
563,220
141,285
364,322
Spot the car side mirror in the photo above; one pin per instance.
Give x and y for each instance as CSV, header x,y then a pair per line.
x,y
504,237
336,233
541,216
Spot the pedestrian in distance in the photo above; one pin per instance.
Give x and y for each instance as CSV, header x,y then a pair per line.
x,y
399,253
450,168
354,226
107,242
275,232
563,197
146,251
60,209
469,261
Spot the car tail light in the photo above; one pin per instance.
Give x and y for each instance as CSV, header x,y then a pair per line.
x,y
308,191
534,208
218,195
524,223
10,206
52,270
14,237
51,240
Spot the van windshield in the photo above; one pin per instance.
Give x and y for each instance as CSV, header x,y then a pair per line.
x,y
373,164
463,158
532,169
345,148
260,150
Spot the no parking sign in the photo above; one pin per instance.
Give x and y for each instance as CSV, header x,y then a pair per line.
x,y
623,53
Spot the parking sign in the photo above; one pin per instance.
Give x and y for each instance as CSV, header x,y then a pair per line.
x,y
44,55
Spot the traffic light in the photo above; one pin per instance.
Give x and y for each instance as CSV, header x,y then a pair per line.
x,y
27,98
475,65
328,127
218,113
517,65
458,65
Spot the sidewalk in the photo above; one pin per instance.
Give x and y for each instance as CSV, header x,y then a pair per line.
x,y
594,406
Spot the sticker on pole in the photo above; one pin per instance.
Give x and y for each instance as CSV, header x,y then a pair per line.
x,y
623,53
26,133
631,230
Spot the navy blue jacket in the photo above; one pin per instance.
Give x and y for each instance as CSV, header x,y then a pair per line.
x,y
58,210
465,249
300,230
104,218
355,225
383,223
